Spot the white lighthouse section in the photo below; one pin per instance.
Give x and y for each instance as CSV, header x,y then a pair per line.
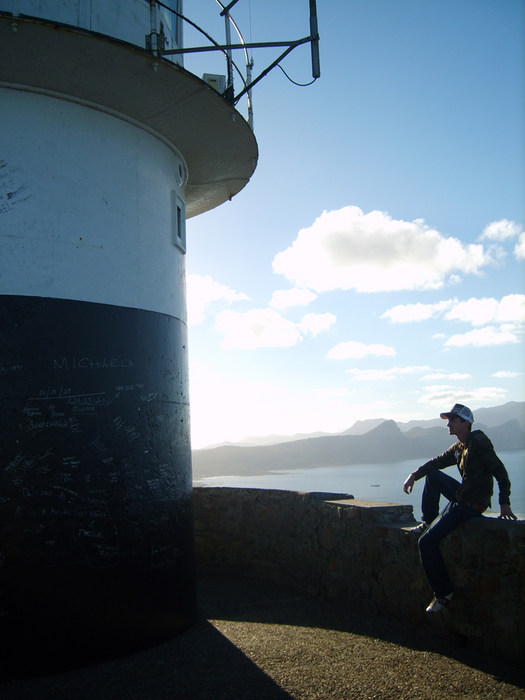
x,y
94,206
215,142
126,20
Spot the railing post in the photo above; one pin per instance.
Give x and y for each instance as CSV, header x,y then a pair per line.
x,y
229,85
154,40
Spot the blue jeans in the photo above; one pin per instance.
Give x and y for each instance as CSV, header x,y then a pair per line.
x,y
454,515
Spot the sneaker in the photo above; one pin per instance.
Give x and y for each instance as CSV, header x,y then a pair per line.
x,y
421,528
438,604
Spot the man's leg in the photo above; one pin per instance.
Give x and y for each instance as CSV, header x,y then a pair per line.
x,y
436,484
431,558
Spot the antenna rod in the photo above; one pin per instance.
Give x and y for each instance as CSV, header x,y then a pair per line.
x,y
314,33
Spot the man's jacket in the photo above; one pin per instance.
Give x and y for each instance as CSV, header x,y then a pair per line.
x,y
477,463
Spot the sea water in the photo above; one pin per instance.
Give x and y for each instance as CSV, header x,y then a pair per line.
x,y
373,482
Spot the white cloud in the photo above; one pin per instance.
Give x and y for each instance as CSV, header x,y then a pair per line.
x,y
202,292
371,375
356,351
284,298
452,376
511,309
347,249
266,328
406,313
506,374
444,397
519,249
479,312
500,230
375,375
483,337
316,323
256,328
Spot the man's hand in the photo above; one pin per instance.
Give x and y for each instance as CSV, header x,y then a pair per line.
x,y
409,483
506,513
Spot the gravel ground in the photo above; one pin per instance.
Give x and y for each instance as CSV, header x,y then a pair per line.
x,y
260,641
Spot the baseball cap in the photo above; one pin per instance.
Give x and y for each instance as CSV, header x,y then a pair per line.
x,y
459,410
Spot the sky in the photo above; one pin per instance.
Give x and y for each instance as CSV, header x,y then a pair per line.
x,y
373,267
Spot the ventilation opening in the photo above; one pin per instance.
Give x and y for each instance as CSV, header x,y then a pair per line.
x,y
178,222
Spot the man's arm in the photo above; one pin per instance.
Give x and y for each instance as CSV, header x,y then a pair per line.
x,y
500,474
446,459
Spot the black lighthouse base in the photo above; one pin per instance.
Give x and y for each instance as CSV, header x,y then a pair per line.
x,y
96,524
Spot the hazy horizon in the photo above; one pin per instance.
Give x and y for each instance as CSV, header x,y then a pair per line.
x,y
367,424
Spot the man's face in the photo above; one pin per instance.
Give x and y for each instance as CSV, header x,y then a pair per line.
x,y
453,425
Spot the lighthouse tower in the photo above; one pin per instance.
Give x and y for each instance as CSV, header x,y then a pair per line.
x,y
106,149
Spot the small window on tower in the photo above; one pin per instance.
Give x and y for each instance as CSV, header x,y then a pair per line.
x,y
178,222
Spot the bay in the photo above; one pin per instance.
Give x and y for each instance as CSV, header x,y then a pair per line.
x,y
372,482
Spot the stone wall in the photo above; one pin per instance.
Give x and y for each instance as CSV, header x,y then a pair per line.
x,y
363,555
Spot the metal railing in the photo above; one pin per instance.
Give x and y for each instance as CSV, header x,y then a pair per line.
x,y
161,22
155,43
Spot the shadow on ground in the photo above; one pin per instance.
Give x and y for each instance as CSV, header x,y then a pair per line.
x,y
258,640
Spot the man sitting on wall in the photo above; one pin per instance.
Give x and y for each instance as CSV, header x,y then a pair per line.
x,y
478,464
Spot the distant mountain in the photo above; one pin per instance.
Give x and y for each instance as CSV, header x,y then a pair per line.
x,y
258,440
488,417
361,427
383,443
492,417
506,437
